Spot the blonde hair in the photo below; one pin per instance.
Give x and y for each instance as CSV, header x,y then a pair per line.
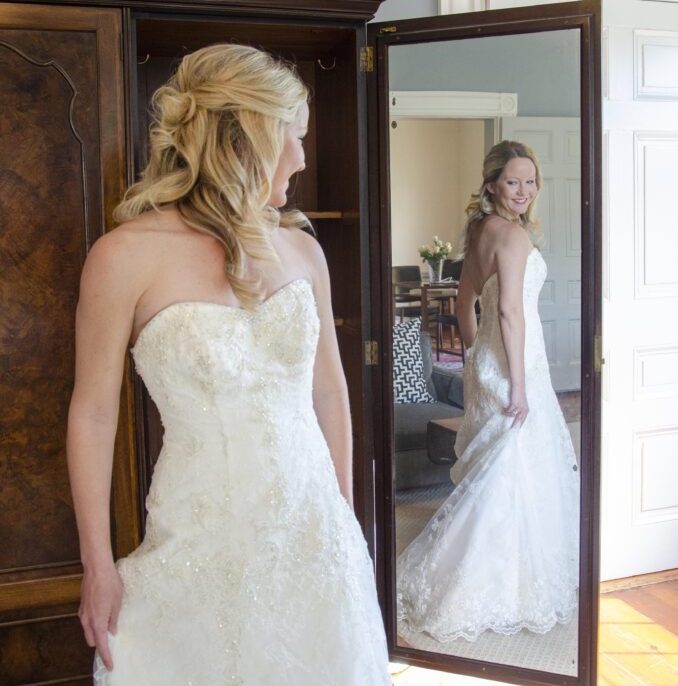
x,y
482,205
215,142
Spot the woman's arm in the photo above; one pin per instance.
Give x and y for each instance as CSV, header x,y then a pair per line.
x,y
465,309
104,320
330,393
511,257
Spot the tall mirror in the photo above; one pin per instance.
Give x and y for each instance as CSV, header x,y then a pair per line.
x,y
487,556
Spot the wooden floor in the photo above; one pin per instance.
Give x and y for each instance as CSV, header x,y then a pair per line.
x,y
638,642
639,636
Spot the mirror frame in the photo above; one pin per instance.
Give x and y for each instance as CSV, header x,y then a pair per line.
x,y
586,17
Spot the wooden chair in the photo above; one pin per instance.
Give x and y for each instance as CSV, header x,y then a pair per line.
x,y
406,304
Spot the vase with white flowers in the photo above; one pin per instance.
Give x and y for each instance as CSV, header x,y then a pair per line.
x,y
434,255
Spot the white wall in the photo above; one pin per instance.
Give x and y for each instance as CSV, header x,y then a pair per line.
x,y
406,9
435,165
501,64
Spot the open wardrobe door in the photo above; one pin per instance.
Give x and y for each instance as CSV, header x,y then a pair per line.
x,y
487,550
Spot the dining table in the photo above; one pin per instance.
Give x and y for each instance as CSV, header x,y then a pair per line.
x,y
426,291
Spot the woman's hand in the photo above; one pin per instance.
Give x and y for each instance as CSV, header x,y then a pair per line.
x,y
100,599
518,407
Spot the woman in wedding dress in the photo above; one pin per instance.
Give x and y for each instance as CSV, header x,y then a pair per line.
x,y
253,569
501,553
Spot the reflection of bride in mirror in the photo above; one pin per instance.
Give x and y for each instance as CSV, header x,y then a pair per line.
x,y
501,553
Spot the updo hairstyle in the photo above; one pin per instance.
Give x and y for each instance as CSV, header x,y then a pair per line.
x,y
215,142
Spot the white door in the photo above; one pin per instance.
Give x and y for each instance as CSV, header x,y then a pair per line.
x,y
556,142
640,288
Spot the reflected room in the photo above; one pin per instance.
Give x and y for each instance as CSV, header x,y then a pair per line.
x,y
450,102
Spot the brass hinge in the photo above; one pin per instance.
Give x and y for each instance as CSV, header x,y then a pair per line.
x,y
371,353
598,360
367,58
388,29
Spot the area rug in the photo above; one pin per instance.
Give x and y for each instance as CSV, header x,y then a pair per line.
x,y
452,364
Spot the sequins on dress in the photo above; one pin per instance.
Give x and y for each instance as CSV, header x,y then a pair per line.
x,y
501,553
253,569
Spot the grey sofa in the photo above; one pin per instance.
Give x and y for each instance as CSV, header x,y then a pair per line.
x,y
413,467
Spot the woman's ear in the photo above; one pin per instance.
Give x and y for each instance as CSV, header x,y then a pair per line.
x,y
490,188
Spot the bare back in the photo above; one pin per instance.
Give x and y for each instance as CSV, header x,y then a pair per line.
x,y
486,240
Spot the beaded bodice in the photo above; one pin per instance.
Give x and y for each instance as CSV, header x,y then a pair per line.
x,y
489,345
206,358
248,540
229,382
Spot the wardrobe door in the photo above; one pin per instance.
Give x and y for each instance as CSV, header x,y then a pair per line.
x,y
61,173
457,611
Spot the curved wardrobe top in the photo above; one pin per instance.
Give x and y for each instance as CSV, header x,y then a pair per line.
x,y
330,9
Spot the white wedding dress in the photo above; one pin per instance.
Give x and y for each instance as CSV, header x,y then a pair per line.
x,y
501,553
253,569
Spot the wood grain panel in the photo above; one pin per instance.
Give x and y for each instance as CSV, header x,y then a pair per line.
x,y
44,651
61,174
40,592
42,158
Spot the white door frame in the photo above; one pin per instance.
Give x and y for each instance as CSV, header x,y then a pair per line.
x,y
490,107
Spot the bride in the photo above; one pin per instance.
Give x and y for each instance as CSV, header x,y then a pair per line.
x,y
253,569
501,553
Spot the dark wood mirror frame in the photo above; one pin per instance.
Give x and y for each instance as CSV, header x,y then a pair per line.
x,y
586,17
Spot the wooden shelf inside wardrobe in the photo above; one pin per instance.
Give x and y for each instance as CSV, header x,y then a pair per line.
x,y
313,214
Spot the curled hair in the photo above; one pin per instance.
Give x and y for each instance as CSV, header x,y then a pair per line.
x,y
482,204
215,142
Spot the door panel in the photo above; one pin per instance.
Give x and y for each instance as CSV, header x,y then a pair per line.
x,y
640,333
61,161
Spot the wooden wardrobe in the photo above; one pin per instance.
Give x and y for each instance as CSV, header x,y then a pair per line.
x,y
75,83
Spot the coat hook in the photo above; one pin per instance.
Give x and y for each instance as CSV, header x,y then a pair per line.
x,y
332,66
148,57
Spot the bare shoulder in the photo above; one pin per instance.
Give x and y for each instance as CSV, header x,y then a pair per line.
x,y
305,242
498,229
309,251
506,236
123,257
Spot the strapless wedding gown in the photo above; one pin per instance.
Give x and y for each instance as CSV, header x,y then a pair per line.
x,y
501,553
253,569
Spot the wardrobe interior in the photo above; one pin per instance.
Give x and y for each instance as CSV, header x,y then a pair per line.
x,y
328,190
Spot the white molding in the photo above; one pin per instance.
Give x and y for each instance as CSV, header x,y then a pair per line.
x,y
451,104
574,292
573,212
642,140
547,295
643,41
659,355
457,6
574,334
605,238
605,59
641,516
